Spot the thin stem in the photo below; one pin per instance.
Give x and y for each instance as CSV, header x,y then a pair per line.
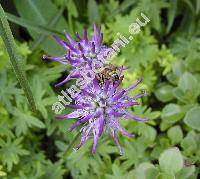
x,y
71,145
15,58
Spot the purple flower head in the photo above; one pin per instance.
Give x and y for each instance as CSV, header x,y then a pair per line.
x,y
99,108
100,105
81,54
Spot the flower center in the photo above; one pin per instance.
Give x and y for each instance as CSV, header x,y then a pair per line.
x,y
102,103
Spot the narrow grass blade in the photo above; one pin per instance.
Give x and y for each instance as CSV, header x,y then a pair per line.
x,y
11,47
29,25
53,22
123,6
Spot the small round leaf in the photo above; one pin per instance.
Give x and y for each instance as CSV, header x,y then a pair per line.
x,y
171,161
192,118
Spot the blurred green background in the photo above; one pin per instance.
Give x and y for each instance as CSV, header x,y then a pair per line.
x,y
166,53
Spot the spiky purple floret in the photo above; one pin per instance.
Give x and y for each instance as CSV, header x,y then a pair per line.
x,y
100,108
82,53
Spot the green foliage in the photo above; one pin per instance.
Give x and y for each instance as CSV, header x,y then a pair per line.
x,y
2,173
92,11
10,152
166,53
192,118
175,134
171,161
164,93
23,120
33,11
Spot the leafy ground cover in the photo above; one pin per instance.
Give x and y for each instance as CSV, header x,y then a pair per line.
x,y
166,53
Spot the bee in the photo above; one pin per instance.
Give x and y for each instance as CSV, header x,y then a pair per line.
x,y
109,72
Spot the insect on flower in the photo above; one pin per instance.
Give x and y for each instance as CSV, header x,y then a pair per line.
x,y
109,72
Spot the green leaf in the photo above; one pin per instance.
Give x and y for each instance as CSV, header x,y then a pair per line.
x,y
185,47
8,90
40,93
151,173
188,83
122,7
15,58
34,11
153,10
171,161
165,176
193,62
146,171
179,68
33,26
5,124
51,74
171,113
164,125
10,152
185,172
171,14
192,118
93,13
190,143
52,23
164,93
23,120
197,6
72,8
141,52
53,170
179,94
134,151
146,132
175,134
166,59
121,24
172,78
190,5
116,171
2,173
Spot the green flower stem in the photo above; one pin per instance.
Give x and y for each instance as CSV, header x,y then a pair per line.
x,y
15,58
71,145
